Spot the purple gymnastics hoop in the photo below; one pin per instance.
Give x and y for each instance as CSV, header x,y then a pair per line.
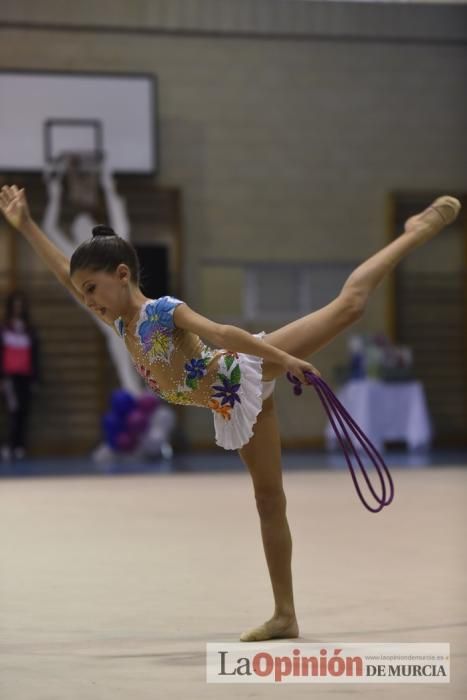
x,y
336,412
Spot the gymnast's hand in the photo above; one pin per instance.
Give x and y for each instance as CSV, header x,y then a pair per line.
x,y
297,367
14,206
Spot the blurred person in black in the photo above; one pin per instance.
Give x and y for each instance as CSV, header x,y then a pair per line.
x,y
18,371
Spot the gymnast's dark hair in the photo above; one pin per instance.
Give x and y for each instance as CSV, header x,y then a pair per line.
x,y
104,252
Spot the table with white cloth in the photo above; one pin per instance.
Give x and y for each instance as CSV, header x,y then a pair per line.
x,y
386,412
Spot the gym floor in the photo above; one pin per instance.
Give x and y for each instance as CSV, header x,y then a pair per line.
x,y
111,584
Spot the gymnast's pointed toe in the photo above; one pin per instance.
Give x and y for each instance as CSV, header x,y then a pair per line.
x,y
439,214
447,207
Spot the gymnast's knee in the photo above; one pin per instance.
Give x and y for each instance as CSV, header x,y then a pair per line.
x,y
354,303
270,503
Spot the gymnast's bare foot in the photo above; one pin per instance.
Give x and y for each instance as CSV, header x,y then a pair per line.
x,y
433,219
278,627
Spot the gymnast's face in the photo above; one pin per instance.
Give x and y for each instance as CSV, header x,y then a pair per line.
x,y
107,294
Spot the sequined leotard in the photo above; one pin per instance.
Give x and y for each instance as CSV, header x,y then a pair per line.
x,y
176,363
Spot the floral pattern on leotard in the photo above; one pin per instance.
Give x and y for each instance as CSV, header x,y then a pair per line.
x,y
228,390
178,396
155,328
155,335
224,411
145,373
196,368
120,326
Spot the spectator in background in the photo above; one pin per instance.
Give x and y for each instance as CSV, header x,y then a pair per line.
x,y
18,371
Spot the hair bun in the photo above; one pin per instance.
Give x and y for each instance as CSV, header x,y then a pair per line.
x,y
102,231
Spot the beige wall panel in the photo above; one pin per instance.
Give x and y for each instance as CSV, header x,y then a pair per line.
x,y
284,150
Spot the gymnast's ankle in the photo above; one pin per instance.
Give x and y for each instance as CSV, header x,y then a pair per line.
x,y
278,627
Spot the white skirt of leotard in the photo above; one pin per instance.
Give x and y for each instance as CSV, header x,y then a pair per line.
x,y
237,430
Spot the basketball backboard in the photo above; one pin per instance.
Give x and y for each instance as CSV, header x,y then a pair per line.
x,y
46,114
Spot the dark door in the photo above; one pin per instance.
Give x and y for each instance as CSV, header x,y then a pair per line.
x,y
430,299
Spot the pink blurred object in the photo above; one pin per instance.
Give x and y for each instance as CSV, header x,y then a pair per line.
x,y
126,442
148,403
137,421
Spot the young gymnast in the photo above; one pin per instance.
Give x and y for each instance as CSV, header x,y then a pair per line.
x,y
236,380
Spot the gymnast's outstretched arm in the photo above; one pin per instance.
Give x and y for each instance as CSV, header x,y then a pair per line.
x,y
238,340
14,207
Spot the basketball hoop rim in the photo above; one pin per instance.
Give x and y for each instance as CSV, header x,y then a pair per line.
x,y
88,161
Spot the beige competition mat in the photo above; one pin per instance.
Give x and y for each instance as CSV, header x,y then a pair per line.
x,y
110,587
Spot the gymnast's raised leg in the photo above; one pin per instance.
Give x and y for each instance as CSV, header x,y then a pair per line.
x,y
310,333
